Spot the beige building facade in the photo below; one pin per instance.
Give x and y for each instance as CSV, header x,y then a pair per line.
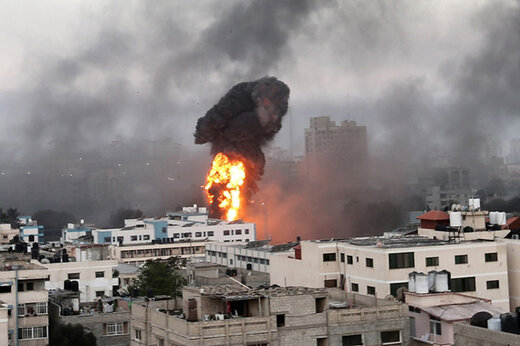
x,y
139,254
379,266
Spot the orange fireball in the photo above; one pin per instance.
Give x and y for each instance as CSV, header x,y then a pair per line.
x,y
224,183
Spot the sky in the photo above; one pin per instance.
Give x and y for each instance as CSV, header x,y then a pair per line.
x,y
419,74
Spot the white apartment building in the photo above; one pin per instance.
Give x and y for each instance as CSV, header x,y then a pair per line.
x,y
192,223
138,254
94,277
30,232
252,256
22,291
379,266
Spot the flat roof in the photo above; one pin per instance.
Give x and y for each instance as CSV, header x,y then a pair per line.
x,y
237,292
398,242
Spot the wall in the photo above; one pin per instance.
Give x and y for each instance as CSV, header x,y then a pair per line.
x,y
467,335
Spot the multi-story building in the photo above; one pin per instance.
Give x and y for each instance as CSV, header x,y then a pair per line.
x,y
94,277
140,253
30,231
22,290
7,233
110,325
252,256
192,223
237,315
378,266
343,147
446,186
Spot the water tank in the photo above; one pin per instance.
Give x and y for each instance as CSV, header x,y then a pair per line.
x,y
441,281
411,281
493,217
74,286
509,323
474,203
480,319
67,285
494,323
455,219
421,283
501,218
431,280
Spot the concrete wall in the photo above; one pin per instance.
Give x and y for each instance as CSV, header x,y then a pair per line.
x,y
467,335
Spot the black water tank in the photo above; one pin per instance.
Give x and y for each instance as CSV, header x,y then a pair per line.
x,y
65,257
480,319
229,272
509,323
74,286
234,272
67,285
249,266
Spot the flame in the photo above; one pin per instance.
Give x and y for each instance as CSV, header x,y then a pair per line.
x,y
229,175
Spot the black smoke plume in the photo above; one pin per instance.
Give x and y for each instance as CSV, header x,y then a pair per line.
x,y
247,117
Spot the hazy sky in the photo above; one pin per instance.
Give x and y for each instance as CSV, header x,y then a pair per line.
x,y
418,73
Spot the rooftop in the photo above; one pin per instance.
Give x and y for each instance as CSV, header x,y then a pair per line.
x,y
237,292
395,242
460,312
435,215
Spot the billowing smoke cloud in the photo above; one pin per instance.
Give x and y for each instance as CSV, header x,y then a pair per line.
x,y
248,116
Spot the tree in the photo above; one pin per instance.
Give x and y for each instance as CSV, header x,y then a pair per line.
x,y
117,218
11,217
158,278
65,335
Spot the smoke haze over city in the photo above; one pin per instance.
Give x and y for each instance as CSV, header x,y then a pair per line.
x,y
99,100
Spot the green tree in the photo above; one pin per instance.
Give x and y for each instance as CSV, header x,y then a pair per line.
x,y
159,278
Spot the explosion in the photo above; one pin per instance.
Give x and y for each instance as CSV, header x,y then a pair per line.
x,y
245,119
224,183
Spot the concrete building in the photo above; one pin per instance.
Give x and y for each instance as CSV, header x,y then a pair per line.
x,y
236,315
94,277
379,266
138,254
110,325
30,231
328,145
192,223
447,185
432,315
22,290
7,233
253,255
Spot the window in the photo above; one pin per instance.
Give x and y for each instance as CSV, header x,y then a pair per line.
x,y
138,334
41,308
210,233
350,260
100,274
461,259
320,304
140,237
463,284
371,290
160,342
247,231
133,238
391,337
198,234
176,235
114,328
20,287
435,326
165,229
331,283
342,256
491,257
120,239
238,232
21,309
352,340
329,257
32,332
395,286
29,286
355,287
280,320
5,289
100,293
146,237
226,232
31,238
492,284
107,239
369,262
321,341
401,260
432,261
73,276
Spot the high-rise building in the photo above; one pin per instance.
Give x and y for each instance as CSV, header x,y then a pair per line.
x,y
336,152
